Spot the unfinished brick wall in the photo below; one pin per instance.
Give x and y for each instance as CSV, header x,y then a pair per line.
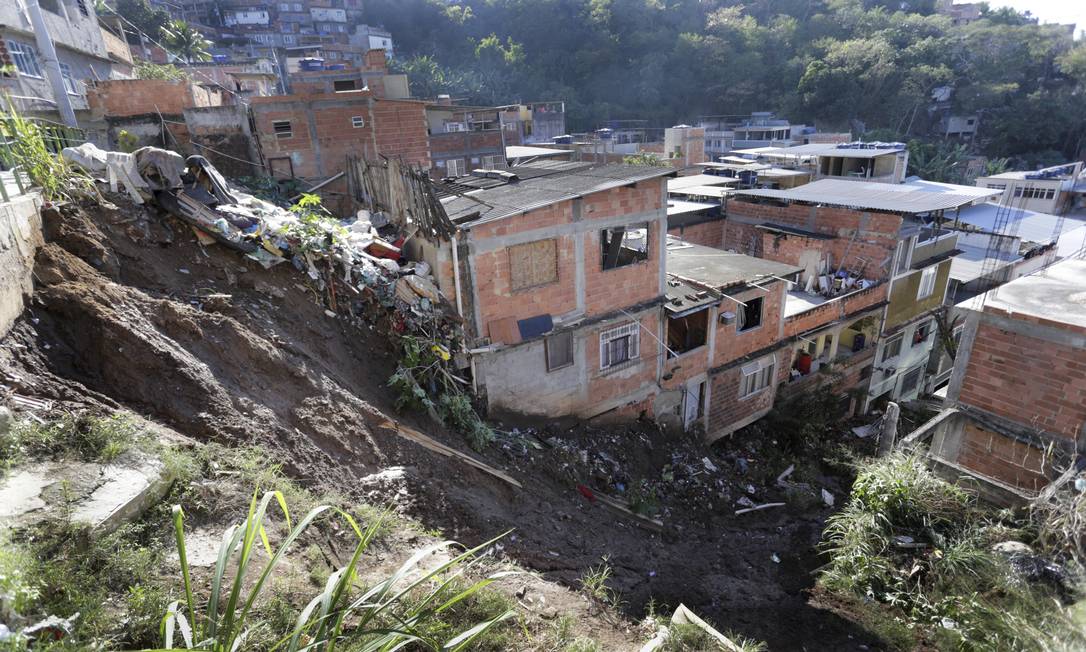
x,y
642,197
1036,383
999,456
831,311
389,127
129,97
609,385
727,411
709,234
857,234
731,344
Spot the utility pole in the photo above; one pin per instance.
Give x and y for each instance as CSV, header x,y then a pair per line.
x,y
52,66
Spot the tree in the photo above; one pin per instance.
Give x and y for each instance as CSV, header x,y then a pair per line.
x,y
942,162
146,19
186,42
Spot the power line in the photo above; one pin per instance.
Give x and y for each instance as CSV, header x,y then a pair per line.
x,y
239,97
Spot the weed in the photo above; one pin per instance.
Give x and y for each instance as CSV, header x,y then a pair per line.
x,y
387,615
29,155
594,584
88,438
19,587
643,499
582,644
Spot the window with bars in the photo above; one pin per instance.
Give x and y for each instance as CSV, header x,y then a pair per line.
x,y
620,345
757,376
491,162
25,58
454,167
357,122
82,5
892,348
282,129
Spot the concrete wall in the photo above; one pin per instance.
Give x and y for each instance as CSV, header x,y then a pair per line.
x,y
131,97
20,237
904,305
222,134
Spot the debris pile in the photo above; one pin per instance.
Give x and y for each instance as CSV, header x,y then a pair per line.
x,y
354,267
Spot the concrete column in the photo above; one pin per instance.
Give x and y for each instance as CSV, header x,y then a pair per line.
x,y
52,66
889,429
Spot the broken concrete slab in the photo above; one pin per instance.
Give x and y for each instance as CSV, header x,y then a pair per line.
x,y
100,496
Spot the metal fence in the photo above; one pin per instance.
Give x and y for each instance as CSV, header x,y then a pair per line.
x,y
55,137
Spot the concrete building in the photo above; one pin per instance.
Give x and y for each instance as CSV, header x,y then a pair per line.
x,y
1053,190
81,51
873,274
856,161
533,122
1015,416
727,133
464,138
960,13
373,38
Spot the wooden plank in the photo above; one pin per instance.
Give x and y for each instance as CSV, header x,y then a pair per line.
x,y
437,447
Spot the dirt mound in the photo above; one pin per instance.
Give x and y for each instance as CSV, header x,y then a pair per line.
x,y
130,310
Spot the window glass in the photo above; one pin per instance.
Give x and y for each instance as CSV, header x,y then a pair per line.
x,y
559,350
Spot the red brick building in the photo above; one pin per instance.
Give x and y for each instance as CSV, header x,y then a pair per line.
x,y
1017,399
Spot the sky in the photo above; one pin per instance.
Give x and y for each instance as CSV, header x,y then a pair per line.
x,y
1050,11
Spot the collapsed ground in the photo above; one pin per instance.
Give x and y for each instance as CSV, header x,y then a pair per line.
x,y
131,312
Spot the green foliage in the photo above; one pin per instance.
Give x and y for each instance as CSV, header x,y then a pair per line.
x,y
457,411
147,19
24,148
186,42
126,142
149,70
951,581
403,608
88,438
942,162
315,229
649,159
843,65
594,585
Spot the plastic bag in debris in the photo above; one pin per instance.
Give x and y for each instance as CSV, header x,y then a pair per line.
x,y
238,215
266,258
160,168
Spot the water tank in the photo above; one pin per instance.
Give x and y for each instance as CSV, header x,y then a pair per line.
x,y
604,134
562,140
311,63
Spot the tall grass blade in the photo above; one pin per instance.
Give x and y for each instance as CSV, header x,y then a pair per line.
x,y
179,533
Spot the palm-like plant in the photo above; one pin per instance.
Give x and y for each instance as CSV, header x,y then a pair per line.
x,y
186,42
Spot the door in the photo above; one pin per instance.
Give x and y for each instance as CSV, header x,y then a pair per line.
x,y
692,404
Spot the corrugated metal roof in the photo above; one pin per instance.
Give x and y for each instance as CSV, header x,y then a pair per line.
x,y
680,207
702,191
864,195
475,200
819,149
699,180
1030,226
969,265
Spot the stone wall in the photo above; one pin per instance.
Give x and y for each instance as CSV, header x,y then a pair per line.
x,y
20,237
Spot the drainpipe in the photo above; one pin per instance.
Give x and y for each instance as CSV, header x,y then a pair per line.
x,y
52,66
460,312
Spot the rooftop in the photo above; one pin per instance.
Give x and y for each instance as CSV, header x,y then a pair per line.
x,y
1030,226
865,195
1055,294
702,191
845,150
680,207
698,180
524,151
1065,171
484,197
718,268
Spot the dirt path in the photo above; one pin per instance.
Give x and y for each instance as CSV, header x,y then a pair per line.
x,y
130,311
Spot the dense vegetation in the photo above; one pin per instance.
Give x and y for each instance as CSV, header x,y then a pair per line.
x,y
857,65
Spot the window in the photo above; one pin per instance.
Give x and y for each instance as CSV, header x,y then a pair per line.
x,y
892,348
454,167
491,162
52,6
687,333
927,283
750,315
910,380
559,350
922,332
357,122
757,376
282,129
905,255
620,345
343,85
70,84
453,127
997,186
82,5
624,245
533,263
25,58
288,39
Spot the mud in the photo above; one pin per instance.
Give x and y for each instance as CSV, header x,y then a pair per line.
x,y
129,310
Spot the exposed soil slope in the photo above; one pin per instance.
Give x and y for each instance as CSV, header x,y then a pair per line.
x,y
130,311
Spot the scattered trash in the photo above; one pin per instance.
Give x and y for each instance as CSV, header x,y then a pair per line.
x,y
52,628
863,432
183,270
741,465
758,507
587,493
827,498
784,475
709,466
775,559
